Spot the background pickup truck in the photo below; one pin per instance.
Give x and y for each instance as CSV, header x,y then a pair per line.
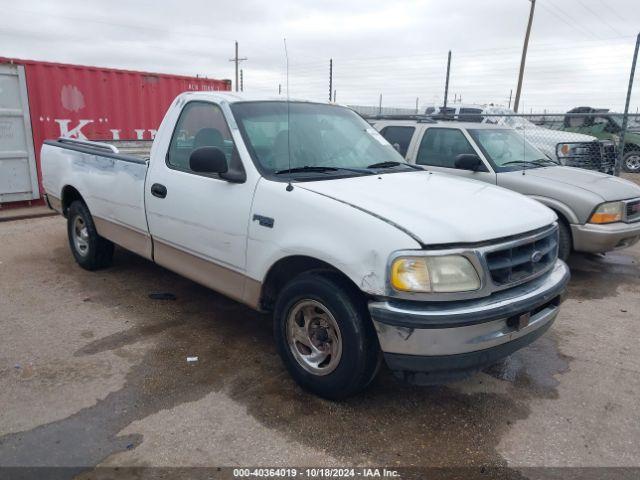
x,y
302,209
606,126
597,212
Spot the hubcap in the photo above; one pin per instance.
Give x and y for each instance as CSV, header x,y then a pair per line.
x,y
80,236
633,162
314,337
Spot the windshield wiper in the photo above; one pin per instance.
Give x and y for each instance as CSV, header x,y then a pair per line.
x,y
320,169
537,162
517,162
390,164
306,168
541,161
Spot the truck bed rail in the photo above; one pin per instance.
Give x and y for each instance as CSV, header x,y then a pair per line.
x,y
95,148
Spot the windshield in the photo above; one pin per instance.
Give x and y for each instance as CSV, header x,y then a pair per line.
x,y
314,139
508,150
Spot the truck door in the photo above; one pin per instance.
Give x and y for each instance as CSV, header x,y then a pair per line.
x,y
438,149
198,221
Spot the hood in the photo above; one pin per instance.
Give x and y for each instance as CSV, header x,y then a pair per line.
x,y
605,186
437,208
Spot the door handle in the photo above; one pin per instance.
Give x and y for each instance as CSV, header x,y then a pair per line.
x,y
158,190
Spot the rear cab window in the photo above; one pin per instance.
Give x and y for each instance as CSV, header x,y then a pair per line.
x,y
470,115
399,136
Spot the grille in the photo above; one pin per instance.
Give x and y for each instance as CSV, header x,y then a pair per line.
x,y
633,211
523,261
599,156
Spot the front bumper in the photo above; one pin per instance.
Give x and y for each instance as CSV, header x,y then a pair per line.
x,y
603,238
440,341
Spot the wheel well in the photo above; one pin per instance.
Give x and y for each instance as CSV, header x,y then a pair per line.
x,y
561,216
563,219
69,195
630,147
289,267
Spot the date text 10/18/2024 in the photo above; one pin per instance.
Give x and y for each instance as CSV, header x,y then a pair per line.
x,y
315,473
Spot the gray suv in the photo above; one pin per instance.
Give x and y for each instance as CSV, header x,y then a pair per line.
x,y
597,212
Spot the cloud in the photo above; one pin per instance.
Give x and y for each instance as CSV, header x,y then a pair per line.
x,y
577,55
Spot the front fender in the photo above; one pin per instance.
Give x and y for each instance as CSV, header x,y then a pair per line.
x,y
558,207
312,225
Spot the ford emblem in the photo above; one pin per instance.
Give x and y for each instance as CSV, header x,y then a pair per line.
x,y
536,256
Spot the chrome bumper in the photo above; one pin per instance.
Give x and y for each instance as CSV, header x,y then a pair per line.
x,y
603,238
436,336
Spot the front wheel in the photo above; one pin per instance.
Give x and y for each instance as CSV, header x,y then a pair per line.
x,y
90,250
325,336
631,162
564,241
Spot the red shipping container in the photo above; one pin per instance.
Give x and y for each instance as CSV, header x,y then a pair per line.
x,y
77,101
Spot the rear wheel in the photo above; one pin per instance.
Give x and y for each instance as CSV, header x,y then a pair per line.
x,y
631,162
325,336
90,250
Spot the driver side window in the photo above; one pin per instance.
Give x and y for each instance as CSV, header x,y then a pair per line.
x,y
440,147
201,124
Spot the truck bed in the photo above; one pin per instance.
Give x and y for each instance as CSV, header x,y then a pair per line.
x,y
110,177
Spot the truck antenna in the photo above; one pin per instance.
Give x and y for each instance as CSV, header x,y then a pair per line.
x,y
286,56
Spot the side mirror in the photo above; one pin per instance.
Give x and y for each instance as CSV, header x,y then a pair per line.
x,y
208,160
469,161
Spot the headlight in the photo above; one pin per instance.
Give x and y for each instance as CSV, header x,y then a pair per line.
x,y
571,149
608,213
446,273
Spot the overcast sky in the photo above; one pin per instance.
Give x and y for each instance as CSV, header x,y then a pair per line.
x,y
580,50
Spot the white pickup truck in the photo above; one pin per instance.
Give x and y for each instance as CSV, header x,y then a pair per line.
x,y
302,209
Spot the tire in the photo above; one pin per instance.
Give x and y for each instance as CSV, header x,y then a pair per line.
x,y
320,303
565,242
90,250
631,162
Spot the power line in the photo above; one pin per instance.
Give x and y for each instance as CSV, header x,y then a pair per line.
x,y
569,23
614,13
599,17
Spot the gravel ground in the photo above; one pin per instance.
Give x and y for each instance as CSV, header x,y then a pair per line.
x,y
94,372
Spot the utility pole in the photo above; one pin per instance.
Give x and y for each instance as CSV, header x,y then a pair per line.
x,y
417,100
237,61
380,105
241,81
334,95
625,118
510,93
330,77
516,103
446,85
279,89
